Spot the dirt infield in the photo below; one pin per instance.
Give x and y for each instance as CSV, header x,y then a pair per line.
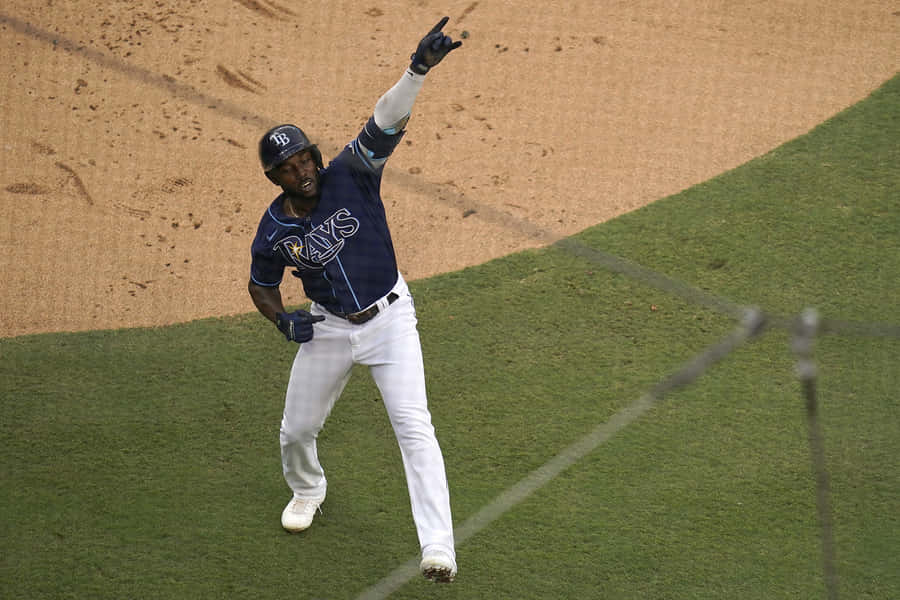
x,y
129,180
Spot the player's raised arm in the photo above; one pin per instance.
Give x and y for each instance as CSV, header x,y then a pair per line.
x,y
393,108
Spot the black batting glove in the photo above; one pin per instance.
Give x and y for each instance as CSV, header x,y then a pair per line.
x,y
432,49
297,326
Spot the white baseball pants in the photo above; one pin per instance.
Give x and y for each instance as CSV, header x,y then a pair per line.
x,y
389,345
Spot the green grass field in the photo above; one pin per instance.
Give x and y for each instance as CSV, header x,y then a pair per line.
x,y
144,463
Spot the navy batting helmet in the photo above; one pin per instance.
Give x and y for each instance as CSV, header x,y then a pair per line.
x,y
282,142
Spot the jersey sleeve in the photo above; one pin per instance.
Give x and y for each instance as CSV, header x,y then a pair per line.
x,y
374,146
266,268
266,274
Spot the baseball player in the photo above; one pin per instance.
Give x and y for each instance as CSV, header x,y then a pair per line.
x,y
328,226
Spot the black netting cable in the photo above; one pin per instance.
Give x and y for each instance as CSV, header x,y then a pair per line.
x,y
806,329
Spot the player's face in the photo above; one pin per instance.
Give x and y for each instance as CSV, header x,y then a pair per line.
x,y
298,175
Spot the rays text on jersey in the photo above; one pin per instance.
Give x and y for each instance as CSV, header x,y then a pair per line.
x,y
321,244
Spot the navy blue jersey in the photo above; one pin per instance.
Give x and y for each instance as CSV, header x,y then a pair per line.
x,y
342,249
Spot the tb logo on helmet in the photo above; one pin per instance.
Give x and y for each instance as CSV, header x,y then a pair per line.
x,y
279,143
280,138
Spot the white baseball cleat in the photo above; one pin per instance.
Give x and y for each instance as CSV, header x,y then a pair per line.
x,y
298,514
438,566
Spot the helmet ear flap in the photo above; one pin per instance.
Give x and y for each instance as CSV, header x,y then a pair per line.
x,y
317,155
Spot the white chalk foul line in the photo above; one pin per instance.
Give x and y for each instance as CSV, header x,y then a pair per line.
x,y
517,493
753,324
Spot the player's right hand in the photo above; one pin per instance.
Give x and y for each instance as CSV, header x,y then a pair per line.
x,y
297,326
432,48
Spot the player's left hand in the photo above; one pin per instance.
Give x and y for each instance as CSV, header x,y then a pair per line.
x,y
432,48
297,326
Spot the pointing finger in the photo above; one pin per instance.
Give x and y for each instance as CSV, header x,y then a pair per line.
x,y
440,25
